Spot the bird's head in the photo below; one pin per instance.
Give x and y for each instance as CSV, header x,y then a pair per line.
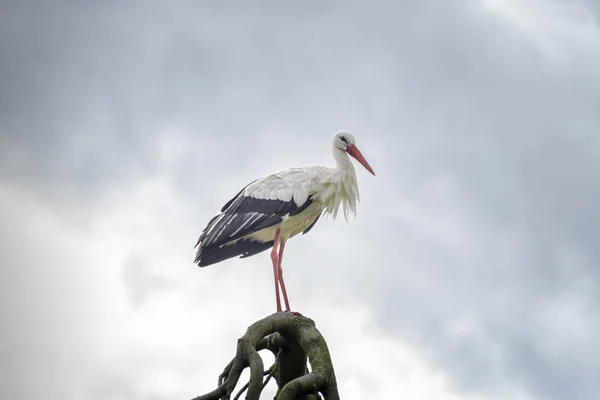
x,y
345,142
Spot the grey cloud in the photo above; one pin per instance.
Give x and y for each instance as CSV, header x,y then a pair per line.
x,y
521,157
139,282
112,387
115,386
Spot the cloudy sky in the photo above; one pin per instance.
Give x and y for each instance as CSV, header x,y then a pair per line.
x,y
471,271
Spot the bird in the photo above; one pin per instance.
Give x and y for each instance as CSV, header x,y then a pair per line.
x,y
267,212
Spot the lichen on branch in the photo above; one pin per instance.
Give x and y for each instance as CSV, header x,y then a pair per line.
x,y
294,340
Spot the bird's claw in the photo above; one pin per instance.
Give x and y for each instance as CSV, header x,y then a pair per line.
x,y
296,313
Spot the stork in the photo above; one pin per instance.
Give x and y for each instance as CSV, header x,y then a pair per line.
x,y
269,211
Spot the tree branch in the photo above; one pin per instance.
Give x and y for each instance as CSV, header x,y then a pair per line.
x,y
294,340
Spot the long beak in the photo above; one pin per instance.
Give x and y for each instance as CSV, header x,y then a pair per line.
x,y
354,152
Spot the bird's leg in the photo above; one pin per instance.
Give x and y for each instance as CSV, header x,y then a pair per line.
x,y
276,269
280,273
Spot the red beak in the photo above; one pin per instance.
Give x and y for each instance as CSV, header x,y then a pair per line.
x,y
354,152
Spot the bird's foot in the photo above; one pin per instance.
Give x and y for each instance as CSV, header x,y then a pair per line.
x,y
296,313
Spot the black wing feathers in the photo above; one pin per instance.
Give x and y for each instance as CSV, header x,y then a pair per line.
x,y
243,248
246,204
236,196
239,217
247,215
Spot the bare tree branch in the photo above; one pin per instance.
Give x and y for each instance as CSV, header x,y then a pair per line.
x,y
256,375
216,394
242,390
269,373
225,373
294,339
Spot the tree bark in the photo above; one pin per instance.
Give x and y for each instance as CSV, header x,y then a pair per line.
x,y
294,340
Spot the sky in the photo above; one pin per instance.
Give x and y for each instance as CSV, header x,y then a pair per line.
x,y
470,272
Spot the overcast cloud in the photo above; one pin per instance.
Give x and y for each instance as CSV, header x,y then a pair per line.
x,y
471,271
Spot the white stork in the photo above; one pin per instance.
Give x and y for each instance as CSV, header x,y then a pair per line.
x,y
269,211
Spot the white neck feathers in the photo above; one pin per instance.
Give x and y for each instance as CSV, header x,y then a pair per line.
x,y
343,187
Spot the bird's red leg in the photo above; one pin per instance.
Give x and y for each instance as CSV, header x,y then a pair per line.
x,y
276,269
280,273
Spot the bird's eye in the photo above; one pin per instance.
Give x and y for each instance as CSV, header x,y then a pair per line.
x,y
343,139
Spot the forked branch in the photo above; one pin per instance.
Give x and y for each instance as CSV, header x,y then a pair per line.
x,y
293,339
